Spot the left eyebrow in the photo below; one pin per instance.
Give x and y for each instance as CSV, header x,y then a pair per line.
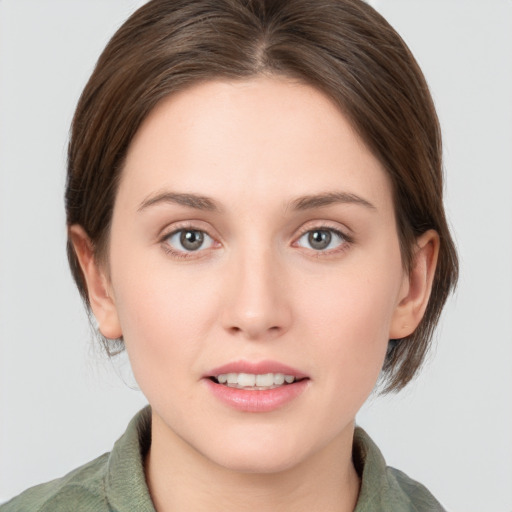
x,y
321,200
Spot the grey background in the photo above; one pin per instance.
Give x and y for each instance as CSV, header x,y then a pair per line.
x,y
62,403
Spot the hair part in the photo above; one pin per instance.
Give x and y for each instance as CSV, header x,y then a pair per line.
x,y
344,48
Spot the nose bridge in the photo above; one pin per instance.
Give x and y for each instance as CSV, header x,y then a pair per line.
x,y
258,306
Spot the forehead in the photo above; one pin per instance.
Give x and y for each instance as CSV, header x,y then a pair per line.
x,y
264,137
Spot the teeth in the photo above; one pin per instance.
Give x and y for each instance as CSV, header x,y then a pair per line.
x,y
279,379
246,380
249,380
265,380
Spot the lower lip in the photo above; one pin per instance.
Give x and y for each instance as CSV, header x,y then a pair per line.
x,y
266,400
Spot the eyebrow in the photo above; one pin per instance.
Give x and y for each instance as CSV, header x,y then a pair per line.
x,y
302,203
191,200
321,200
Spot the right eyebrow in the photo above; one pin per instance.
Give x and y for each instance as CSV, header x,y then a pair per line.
x,y
190,200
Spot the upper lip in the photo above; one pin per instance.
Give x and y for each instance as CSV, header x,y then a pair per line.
x,y
256,368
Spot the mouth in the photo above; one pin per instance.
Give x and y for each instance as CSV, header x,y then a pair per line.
x,y
255,382
258,387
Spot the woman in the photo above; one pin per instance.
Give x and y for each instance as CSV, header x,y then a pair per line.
x,y
254,212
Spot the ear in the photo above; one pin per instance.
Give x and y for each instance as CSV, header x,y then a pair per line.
x,y
416,287
98,285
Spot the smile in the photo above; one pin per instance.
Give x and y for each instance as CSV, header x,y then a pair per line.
x,y
256,387
256,382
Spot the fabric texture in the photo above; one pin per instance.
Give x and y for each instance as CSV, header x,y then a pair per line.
x,y
115,481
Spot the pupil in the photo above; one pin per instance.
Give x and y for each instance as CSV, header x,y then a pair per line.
x,y
191,240
319,239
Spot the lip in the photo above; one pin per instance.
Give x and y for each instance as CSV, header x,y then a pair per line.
x,y
257,368
256,401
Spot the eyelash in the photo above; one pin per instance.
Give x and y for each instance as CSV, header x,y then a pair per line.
x,y
183,255
345,241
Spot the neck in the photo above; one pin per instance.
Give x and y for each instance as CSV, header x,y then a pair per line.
x,y
181,479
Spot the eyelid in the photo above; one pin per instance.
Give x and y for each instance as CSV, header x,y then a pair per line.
x,y
320,225
345,242
197,225
188,225
192,224
179,231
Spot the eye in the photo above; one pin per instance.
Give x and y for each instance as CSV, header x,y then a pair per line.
x,y
189,240
321,239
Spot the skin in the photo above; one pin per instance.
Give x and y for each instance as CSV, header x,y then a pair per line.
x,y
256,290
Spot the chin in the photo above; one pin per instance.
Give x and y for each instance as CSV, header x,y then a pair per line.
x,y
261,462
261,453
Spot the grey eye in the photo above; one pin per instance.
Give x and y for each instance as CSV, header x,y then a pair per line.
x,y
189,240
321,239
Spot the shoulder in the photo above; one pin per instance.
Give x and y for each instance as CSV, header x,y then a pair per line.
x,y
80,490
113,481
385,488
412,495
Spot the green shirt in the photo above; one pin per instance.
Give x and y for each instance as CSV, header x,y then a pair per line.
x,y
115,481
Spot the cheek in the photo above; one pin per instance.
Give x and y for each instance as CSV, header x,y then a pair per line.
x,y
164,316
349,317
356,306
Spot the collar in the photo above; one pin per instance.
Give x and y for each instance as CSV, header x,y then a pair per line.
x,y
382,488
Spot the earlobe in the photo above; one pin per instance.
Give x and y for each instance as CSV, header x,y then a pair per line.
x,y
417,286
100,298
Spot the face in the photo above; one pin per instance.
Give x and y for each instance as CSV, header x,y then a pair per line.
x,y
253,242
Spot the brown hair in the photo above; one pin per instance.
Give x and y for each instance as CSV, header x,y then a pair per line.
x,y
342,47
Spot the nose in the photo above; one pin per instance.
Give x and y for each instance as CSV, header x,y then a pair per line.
x,y
257,305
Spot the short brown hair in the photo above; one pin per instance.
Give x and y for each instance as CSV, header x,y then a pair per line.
x,y
342,47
